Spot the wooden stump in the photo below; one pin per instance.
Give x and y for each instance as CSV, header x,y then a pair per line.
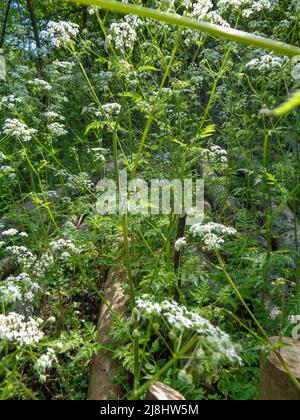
x,y
275,384
161,392
101,385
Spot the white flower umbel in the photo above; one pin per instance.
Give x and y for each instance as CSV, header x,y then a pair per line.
x,y
10,293
267,62
52,115
215,155
17,289
197,8
92,10
56,129
275,313
224,5
41,84
14,232
22,255
112,109
65,248
17,129
182,320
44,363
180,244
15,329
10,102
123,35
60,34
212,234
10,232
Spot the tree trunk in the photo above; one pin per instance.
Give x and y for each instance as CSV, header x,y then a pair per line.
x,y
5,22
275,384
84,18
36,33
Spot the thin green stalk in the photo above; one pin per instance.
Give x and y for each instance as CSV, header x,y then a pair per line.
x,y
43,193
129,272
214,89
153,109
186,22
124,224
260,328
166,367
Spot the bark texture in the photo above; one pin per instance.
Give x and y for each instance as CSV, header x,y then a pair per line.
x,y
275,384
161,392
102,386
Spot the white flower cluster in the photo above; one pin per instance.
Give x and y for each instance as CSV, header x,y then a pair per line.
x,y
296,72
41,84
7,170
17,129
224,5
23,256
266,62
212,234
92,10
214,17
274,313
77,182
14,232
56,129
10,101
248,6
52,115
9,293
197,8
123,35
295,6
64,247
112,109
59,34
180,244
215,154
17,289
43,264
15,329
91,110
257,7
45,362
181,319
66,66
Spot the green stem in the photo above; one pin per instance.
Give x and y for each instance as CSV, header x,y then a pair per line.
x,y
186,22
260,328
154,107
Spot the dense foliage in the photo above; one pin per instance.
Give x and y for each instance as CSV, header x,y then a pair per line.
x,y
89,92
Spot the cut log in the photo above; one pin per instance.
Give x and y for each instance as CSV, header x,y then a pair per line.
x,y
275,384
101,385
161,392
